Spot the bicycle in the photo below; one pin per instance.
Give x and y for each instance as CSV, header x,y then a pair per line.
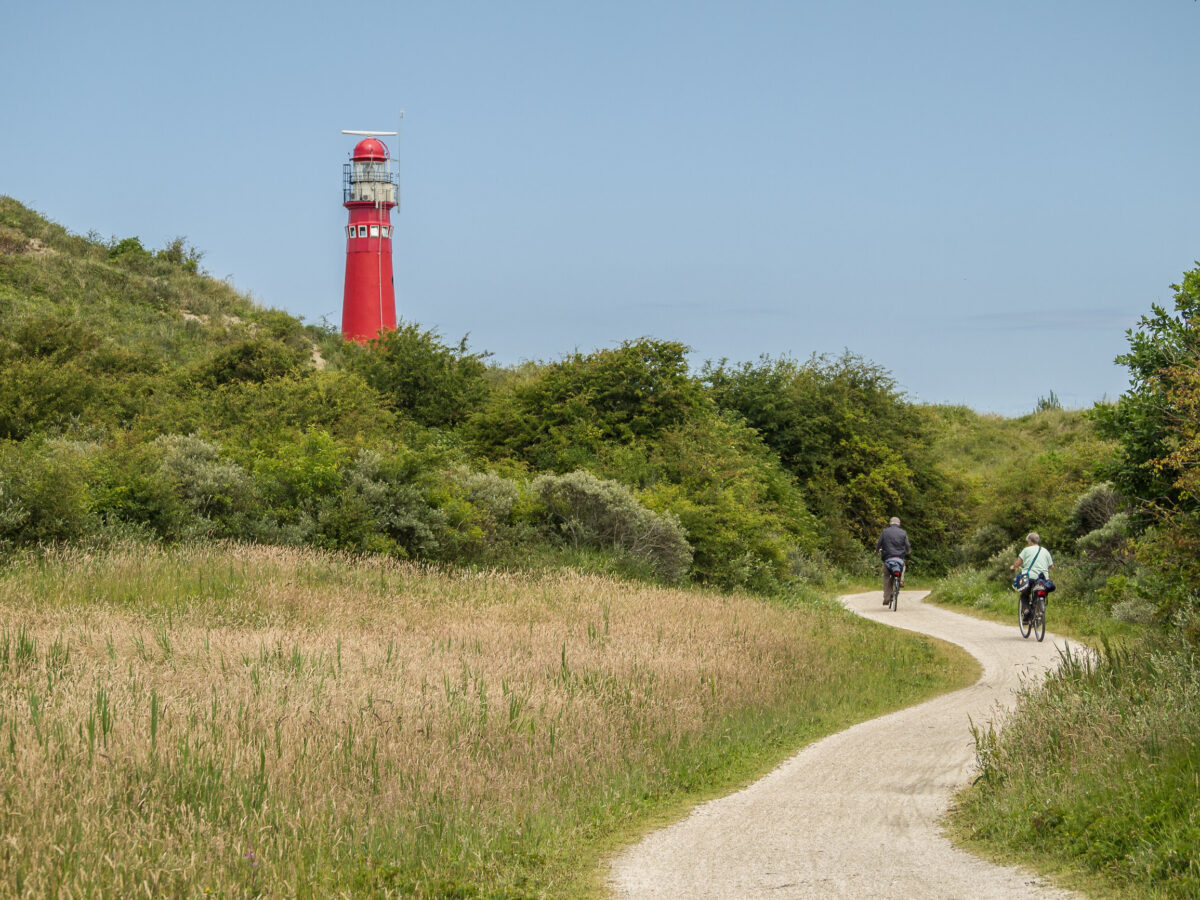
x,y
1031,616
895,566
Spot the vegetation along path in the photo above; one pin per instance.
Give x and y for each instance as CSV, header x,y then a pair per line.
x,y
856,815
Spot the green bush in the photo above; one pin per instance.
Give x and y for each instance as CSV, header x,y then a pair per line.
x,y
968,587
591,512
495,496
44,493
216,489
1094,508
251,418
129,490
1109,542
983,543
420,377
743,514
379,506
253,360
179,253
129,251
566,415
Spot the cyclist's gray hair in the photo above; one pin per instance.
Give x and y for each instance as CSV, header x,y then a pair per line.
x,y
1033,537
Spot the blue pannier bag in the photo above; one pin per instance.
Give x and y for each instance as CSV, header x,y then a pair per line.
x,y
894,564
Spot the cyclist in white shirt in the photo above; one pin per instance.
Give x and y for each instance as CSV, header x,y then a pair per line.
x,y
1034,561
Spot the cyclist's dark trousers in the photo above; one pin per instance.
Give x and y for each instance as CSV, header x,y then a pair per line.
x,y
1026,606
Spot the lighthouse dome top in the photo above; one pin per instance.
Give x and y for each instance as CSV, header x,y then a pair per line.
x,y
370,149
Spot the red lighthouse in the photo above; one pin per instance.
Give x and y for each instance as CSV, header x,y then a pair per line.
x,y
370,188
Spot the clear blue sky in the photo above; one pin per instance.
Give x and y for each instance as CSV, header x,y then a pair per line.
x,y
980,197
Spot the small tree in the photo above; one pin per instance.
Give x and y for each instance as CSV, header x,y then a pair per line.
x,y
179,253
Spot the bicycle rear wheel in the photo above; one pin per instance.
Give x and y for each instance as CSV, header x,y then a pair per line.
x,y
895,593
1039,619
1024,618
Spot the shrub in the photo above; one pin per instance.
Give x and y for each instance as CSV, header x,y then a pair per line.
x,y
381,506
179,253
591,512
259,415
129,490
742,512
422,378
297,477
128,250
967,587
1094,508
1109,542
44,495
495,496
37,394
567,414
812,567
984,542
214,488
998,563
251,360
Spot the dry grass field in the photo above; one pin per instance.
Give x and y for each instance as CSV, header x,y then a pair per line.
x,y
241,721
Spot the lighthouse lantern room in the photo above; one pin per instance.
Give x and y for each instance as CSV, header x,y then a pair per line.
x,y
370,189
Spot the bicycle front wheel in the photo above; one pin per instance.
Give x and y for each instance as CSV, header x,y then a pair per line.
x,y
1039,620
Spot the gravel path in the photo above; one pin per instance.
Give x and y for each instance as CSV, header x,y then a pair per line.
x,y
855,815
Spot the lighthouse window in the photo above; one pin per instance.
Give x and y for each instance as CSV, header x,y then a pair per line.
x,y
349,231
374,231
384,230
362,230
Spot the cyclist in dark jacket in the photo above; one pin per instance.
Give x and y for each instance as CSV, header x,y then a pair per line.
x,y
892,544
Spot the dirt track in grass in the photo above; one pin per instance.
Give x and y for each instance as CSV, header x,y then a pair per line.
x,y
856,814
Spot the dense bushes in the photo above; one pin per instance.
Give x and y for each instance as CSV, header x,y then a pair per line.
x,y
858,450
634,415
209,416
568,414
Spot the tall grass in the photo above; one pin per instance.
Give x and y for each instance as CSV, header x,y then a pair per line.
x,y
250,721
1098,772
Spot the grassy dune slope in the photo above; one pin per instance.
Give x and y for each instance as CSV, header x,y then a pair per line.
x,y
240,720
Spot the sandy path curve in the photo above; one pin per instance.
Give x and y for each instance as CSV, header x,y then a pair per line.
x,y
855,815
